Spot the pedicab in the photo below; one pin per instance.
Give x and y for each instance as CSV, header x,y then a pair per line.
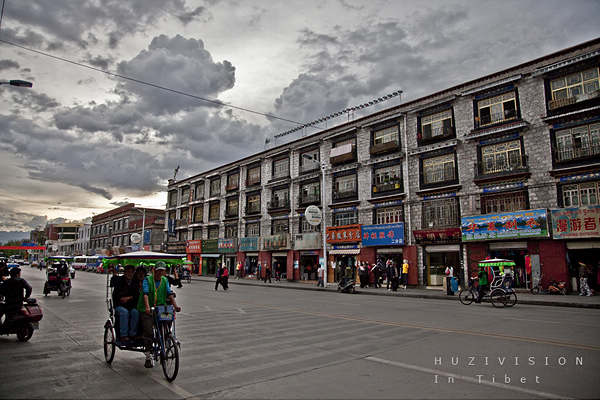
x,y
186,273
165,346
500,278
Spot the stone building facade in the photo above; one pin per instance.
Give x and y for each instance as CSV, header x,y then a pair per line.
x,y
508,150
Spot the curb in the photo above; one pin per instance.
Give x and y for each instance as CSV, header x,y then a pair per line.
x,y
402,294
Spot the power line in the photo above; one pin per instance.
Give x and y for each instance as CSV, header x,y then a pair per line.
x,y
217,102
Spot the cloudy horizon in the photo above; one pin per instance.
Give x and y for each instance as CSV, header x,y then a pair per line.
x,y
80,142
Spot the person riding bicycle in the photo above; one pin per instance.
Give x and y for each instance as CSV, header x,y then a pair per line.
x,y
483,283
156,291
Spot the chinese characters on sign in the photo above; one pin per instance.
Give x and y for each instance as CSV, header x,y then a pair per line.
x,y
343,234
249,244
437,236
275,242
227,246
194,246
512,225
580,222
383,235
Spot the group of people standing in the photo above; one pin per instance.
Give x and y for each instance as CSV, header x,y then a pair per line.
x,y
374,275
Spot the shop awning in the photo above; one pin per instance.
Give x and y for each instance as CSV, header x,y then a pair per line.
x,y
344,251
211,255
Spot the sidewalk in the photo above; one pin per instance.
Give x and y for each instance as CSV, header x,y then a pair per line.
x,y
523,298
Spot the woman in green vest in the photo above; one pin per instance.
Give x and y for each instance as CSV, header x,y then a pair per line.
x,y
155,292
483,282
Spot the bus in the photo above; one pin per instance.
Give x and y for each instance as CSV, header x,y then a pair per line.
x,y
87,263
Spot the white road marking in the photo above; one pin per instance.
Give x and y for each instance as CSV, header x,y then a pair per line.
x,y
469,379
241,310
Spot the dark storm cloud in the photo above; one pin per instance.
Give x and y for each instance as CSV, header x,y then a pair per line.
x,y
8,64
188,17
177,63
99,61
32,100
20,221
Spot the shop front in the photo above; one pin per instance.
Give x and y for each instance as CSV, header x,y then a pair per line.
x,y
278,247
517,236
228,250
210,256
194,254
248,255
344,249
309,248
578,230
440,249
387,239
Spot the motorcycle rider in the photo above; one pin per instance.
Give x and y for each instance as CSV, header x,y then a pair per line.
x,y
12,290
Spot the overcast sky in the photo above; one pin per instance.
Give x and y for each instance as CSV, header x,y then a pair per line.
x,y
81,142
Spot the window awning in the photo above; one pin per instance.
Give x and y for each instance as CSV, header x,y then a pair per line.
x,y
211,255
344,251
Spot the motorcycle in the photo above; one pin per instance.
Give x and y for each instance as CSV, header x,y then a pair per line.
x,y
24,322
346,285
553,288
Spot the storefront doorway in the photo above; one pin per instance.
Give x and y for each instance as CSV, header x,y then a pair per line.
x,y
341,262
230,262
436,261
279,265
250,264
209,264
591,258
308,267
196,266
521,278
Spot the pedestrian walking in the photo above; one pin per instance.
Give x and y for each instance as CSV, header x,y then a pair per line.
x,y
267,274
238,270
363,274
584,287
225,278
395,277
258,271
405,267
449,277
320,275
218,274
388,274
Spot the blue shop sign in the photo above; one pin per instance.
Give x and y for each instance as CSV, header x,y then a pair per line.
x,y
383,235
249,244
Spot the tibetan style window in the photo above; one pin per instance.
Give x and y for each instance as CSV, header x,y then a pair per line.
x,y
199,191
310,193
342,218
214,211
233,181
343,151
253,176
213,232
198,214
231,231
581,194
280,198
496,109
389,215
439,169
281,168
385,139
436,125
215,187
182,235
197,234
305,227
442,213
501,157
253,229
172,198
280,226
231,209
344,187
184,216
309,160
504,202
574,85
387,179
579,142
185,195
253,203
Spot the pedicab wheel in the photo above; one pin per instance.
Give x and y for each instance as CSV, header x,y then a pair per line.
x,y
170,359
535,290
109,343
499,298
466,296
24,333
511,299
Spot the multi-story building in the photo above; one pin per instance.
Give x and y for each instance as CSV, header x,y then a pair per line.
x,y
507,165
111,231
82,244
61,238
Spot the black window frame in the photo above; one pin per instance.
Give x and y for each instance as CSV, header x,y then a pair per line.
x,y
493,93
421,140
442,152
386,164
211,186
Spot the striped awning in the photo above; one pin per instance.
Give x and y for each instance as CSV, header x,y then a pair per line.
x,y
344,251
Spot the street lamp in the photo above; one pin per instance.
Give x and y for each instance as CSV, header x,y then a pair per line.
x,y
17,82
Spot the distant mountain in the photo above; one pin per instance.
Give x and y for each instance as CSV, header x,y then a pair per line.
x,y
15,235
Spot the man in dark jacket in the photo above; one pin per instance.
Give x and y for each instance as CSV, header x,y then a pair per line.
x,y
12,290
219,273
126,295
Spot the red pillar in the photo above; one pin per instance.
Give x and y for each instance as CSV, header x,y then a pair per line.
x,y
368,254
410,253
553,261
241,257
475,253
291,257
264,258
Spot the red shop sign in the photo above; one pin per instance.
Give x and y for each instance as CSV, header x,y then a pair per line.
x,y
437,235
343,234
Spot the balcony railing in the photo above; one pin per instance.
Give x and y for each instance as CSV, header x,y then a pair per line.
x,y
576,152
439,133
347,194
343,154
312,198
393,184
508,115
567,101
278,203
505,167
386,147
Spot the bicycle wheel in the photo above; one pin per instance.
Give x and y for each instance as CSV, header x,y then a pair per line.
x,y
466,296
109,343
170,359
498,298
511,299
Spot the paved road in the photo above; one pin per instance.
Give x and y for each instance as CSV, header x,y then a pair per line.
x,y
253,342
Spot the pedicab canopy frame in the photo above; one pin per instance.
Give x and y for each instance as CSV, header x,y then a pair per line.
x,y
496,262
146,258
